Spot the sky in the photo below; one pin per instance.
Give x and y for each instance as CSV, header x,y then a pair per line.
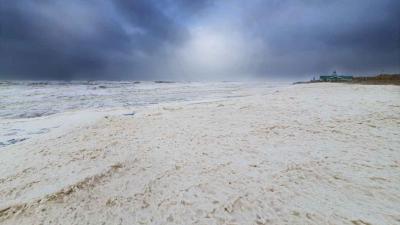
x,y
197,40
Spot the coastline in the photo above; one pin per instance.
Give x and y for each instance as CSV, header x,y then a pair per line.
x,y
319,153
30,109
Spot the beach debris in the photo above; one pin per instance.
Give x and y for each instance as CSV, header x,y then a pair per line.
x,y
172,108
16,140
129,114
163,82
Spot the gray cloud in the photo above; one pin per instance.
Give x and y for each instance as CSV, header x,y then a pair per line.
x,y
178,39
306,37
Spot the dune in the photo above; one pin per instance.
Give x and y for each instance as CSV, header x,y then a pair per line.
x,y
305,154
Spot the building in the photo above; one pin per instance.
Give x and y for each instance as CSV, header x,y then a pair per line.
x,y
335,78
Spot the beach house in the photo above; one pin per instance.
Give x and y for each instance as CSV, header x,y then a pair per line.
x,y
335,78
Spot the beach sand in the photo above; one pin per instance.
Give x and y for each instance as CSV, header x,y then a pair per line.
x,y
305,154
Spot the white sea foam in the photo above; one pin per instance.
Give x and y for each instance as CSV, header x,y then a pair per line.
x,y
22,103
306,154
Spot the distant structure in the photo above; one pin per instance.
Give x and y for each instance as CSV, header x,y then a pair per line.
x,y
335,78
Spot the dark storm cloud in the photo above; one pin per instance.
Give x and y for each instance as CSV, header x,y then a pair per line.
x,y
149,39
309,37
38,41
83,39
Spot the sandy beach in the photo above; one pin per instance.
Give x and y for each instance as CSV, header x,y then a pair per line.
x,y
303,154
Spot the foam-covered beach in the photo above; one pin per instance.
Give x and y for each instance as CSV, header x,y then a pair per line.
x,y
303,154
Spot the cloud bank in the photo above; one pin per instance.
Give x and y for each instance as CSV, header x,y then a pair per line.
x,y
197,40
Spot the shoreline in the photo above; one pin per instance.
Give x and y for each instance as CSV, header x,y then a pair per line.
x,y
25,115
302,154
